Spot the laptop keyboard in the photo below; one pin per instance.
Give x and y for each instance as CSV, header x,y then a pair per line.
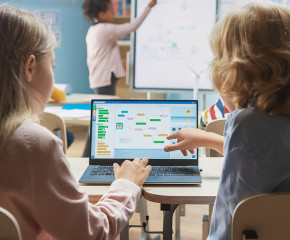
x,y
156,170
103,170
172,171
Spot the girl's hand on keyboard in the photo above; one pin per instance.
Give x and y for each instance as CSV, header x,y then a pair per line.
x,y
135,171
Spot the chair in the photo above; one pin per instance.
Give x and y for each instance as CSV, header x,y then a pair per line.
x,y
216,126
264,216
56,125
9,227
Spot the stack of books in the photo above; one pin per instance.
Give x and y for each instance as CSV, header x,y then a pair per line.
x,y
122,7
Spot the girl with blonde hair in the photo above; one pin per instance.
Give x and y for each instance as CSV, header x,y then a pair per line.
x,y
251,72
36,183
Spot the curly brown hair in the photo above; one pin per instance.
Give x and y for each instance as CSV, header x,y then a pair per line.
x,y
251,62
92,8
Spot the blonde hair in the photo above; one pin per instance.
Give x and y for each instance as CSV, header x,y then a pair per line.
x,y
21,35
251,62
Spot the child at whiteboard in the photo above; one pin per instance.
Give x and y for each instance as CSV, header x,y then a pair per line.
x,y
251,71
103,56
36,182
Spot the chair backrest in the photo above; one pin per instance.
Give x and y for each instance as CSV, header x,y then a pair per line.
x,y
267,215
9,227
55,124
217,126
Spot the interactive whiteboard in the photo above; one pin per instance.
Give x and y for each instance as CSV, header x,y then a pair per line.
x,y
171,47
228,5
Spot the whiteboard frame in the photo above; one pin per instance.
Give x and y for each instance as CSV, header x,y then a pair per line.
x,y
131,62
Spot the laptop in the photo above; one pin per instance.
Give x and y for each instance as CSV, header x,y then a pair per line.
x,y
125,129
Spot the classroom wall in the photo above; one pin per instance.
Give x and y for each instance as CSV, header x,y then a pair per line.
x,y
70,62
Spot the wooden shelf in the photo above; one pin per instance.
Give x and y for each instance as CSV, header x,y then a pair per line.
x,y
122,19
124,43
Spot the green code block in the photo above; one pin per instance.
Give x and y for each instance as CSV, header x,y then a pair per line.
x,y
100,127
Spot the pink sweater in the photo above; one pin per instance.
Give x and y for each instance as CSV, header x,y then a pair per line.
x,y
38,188
103,55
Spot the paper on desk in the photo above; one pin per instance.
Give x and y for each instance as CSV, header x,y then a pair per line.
x,y
74,113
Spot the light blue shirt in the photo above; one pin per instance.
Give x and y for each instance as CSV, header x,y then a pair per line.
x,y
257,160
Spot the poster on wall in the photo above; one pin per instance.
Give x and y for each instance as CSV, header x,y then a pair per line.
x,y
52,19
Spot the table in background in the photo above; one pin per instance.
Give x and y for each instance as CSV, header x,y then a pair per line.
x,y
169,196
83,121
82,98
78,98
77,121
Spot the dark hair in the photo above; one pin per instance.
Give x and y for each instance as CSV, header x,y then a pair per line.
x,y
92,8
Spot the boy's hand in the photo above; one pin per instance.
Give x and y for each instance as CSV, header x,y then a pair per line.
x,y
189,139
152,3
135,171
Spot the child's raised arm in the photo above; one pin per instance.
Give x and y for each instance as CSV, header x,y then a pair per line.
x,y
152,3
191,138
117,31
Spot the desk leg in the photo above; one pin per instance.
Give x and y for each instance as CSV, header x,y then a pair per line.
x,y
124,235
143,213
210,208
167,220
206,222
177,223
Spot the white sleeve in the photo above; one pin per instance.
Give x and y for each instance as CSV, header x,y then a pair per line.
x,y
117,31
63,210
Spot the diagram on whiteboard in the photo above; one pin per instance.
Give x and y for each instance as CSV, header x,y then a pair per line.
x,y
174,35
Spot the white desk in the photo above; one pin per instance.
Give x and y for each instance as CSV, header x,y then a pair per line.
x,y
204,193
171,196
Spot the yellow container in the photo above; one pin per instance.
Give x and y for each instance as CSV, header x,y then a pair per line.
x,y
57,94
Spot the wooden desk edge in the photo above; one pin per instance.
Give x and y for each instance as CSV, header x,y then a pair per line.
x,y
94,198
177,199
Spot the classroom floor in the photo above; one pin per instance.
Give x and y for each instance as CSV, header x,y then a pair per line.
x,y
191,228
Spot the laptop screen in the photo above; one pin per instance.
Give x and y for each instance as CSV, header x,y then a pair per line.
x,y
125,129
